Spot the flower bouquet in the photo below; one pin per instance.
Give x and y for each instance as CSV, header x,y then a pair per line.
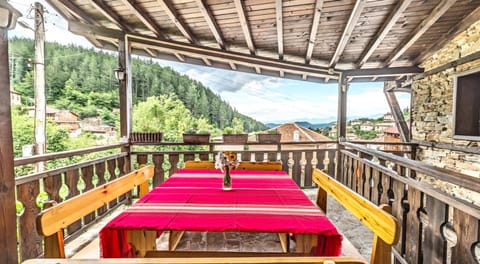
x,y
226,161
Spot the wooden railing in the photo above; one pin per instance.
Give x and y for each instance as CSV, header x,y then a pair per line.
x,y
436,227
61,184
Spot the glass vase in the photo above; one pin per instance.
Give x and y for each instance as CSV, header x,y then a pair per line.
x,y
227,180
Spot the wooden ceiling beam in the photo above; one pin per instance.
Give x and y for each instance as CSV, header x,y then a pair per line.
x,y
110,15
471,18
313,30
145,18
245,25
382,33
436,13
397,71
233,66
184,49
279,23
212,24
347,33
175,18
75,11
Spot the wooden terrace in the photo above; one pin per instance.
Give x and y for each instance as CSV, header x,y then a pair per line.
x,y
399,42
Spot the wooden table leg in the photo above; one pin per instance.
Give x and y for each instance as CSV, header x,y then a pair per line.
x,y
142,241
306,243
284,241
174,239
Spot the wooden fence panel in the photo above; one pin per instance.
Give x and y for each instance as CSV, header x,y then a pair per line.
x,y
188,156
434,243
413,242
367,188
111,166
308,168
297,169
331,159
398,210
468,232
30,241
173,159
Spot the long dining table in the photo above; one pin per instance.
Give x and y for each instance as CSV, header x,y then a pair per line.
x,y
193,200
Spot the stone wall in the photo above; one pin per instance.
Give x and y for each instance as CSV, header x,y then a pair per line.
x,y
432,112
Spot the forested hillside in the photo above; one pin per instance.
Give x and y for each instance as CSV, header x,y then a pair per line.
x,y
82,80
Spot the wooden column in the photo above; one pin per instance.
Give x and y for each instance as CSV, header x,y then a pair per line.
x,y
125,86
8,219
397,115
124,63
341,119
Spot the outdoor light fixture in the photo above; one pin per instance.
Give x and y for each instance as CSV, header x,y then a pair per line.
x,y
120,74
8,15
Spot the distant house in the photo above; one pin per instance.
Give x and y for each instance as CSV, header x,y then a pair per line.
x,y
65,118
292,132
15,98
355,122
388,117
367,126
95,126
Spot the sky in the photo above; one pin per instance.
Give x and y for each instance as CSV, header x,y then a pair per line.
x,y
266,99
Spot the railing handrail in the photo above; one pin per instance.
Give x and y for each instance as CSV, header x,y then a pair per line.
x,y
463,205
65,154
44,174
450,176
167,143
383,143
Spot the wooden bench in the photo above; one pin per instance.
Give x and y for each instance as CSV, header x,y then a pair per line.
x,y
244,165
378,219
52,221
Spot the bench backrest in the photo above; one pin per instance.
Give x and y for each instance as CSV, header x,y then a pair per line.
x,y
50,222
378,219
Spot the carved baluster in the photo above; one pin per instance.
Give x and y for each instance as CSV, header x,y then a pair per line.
x,y
303,164
122,163
159,176
434,246
367,191
188,156
259,156
284,156
355,172
272,156
111,166
52,185
173,159
142,160
331,161
100,172
384,188
71,180
297,167
87,175
30,241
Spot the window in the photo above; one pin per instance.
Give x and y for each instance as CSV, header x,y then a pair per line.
x,y
296,135
467,105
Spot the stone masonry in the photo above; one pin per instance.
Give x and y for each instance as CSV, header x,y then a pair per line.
x,y
432,112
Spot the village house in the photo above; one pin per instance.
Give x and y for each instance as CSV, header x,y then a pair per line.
x,y
65,118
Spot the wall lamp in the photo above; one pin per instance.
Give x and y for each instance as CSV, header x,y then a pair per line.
x,y
120,74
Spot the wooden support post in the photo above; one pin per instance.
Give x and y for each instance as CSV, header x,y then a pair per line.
x,y
284,241
125,86
8,219
341,119
398,115
39,87
142,241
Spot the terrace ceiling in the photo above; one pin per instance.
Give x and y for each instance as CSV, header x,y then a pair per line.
x,y
313,40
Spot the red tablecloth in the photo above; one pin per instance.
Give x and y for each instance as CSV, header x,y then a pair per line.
x,y
259,201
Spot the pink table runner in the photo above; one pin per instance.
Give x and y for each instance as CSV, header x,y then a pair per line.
x,y
260,201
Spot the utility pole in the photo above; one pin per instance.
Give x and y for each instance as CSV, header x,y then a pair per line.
x,y
39,86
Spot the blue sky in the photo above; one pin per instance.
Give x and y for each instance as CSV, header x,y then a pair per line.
x,y
264,98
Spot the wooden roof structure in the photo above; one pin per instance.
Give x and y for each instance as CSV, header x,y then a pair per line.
x,y
312,40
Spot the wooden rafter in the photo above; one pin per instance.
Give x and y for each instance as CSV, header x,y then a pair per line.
x,y
313,31
112,16
382,33
279,23
473,17
398,116
398,71
212,24
179,23
145,18
245,25
436,13
347,33
74,13
233,66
